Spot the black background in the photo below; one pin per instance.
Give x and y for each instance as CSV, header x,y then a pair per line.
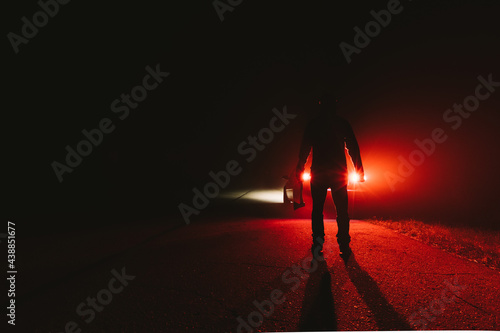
x,y
225,78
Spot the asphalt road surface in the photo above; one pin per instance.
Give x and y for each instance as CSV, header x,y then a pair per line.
x,y
213,276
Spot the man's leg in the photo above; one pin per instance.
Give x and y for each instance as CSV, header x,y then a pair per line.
x,y
318,193
340,199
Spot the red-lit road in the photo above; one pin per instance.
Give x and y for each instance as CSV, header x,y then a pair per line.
x,y
202,277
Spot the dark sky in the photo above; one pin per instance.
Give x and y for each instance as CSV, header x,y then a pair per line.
x,y
225,78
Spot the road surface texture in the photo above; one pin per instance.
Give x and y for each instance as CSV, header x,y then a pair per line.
x,y
213,277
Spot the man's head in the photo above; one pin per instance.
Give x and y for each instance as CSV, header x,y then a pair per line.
x,y
328,103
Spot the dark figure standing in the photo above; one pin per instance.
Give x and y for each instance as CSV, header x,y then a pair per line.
x,y
329,135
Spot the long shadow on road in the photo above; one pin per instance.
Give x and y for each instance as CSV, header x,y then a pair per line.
x,y
318,307
386,316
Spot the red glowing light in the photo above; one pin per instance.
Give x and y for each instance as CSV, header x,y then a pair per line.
x,y
306,176
355,178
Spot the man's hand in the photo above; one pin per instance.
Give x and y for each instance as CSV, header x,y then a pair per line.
x,y
361,177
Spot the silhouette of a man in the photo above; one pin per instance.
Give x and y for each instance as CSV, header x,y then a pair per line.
x,y
328,136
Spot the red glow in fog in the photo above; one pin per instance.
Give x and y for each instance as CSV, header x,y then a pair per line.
x,y
354,177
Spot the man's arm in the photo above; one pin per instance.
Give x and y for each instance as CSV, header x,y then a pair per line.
x,y
353,149
305,149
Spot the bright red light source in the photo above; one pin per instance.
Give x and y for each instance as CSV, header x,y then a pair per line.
x,y
354,177
306,176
